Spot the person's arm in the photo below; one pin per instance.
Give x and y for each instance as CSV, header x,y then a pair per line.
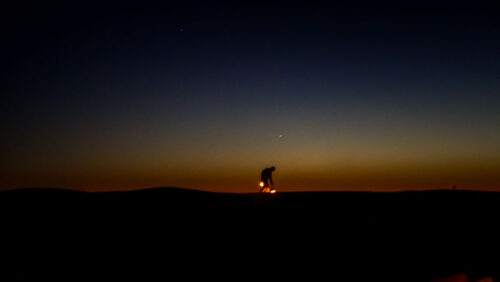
x,y
271,180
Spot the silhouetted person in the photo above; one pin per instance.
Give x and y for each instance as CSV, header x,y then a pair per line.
x,y
267,178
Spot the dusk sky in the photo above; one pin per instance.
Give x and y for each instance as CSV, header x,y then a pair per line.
x,y
206,94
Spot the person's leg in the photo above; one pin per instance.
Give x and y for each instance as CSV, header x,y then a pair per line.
x,y
265,188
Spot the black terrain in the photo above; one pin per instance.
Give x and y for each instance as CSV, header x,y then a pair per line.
x,y
169,233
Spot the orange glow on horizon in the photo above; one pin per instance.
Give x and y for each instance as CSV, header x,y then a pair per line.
x,y
242,178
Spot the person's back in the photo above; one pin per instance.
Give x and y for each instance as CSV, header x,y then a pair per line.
x,y
266,174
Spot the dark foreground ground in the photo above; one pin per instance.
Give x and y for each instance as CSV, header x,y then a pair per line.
x,y
168,233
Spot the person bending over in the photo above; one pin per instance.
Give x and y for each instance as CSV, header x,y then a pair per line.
x,y
266,179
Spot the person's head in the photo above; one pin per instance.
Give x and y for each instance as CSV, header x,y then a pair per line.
x,y
273,168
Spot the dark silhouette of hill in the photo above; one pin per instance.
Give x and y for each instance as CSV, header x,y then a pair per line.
x,y
165,232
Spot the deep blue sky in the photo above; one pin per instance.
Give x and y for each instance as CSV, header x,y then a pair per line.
x,y
204,95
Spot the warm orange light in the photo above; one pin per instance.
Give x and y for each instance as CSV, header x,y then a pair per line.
x,y
272,191
261,184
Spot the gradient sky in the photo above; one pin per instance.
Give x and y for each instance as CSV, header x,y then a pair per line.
x,y
205,95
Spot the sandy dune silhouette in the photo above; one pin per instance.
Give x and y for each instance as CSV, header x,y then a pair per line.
x,y
165,232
